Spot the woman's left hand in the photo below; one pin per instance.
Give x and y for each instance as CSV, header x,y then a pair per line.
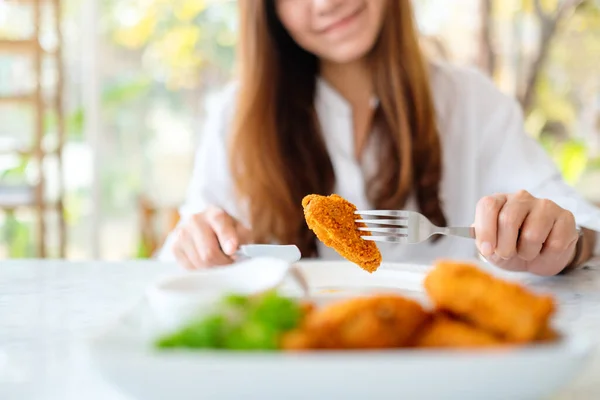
x,y
519,232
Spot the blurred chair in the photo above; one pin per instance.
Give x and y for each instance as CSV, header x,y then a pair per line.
x,y
33,195
156,222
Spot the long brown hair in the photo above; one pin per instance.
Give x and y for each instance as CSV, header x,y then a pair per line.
x,y
277,152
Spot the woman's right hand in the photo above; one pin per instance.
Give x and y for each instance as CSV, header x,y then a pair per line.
x,y
209,239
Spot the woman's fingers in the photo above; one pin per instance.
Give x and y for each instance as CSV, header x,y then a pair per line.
x,y
185,250
486,223
208,239
510,220
519,232
206,243
563,234
224,227
535,231
182,258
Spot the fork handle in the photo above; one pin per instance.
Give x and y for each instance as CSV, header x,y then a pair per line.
x,y
467,231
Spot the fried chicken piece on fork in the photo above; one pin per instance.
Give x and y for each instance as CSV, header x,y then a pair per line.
x,y
333,220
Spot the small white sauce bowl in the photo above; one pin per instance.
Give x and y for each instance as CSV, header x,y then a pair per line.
x,y
176,299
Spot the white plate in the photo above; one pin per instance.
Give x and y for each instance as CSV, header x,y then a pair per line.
x,y
123,355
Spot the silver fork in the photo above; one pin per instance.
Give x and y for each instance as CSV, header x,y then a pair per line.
x,y
405,227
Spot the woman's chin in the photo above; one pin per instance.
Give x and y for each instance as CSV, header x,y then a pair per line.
x,y
346,53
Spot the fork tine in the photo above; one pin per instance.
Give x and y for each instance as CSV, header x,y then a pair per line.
x,y
394,222
384,213
389,231
387,239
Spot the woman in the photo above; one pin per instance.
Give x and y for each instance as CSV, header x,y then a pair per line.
x,y
334,96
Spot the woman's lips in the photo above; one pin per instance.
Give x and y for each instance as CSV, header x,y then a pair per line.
x,y
343,23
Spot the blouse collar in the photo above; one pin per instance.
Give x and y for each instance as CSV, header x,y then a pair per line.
x,y
331,99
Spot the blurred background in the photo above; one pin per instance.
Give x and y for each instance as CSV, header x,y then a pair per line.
x,y
102,104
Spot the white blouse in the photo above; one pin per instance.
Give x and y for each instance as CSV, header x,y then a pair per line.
x,y
485,151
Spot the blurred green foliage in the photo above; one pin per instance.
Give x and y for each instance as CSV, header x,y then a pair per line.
x,y
17,233
568,87
571,157
182,48
178,38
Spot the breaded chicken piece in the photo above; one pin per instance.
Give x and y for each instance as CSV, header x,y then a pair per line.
x,y
548,334
307,308
445,331
505,309
333,220
297,340
382,321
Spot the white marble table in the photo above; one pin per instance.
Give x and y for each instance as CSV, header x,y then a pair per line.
x,y
47,308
